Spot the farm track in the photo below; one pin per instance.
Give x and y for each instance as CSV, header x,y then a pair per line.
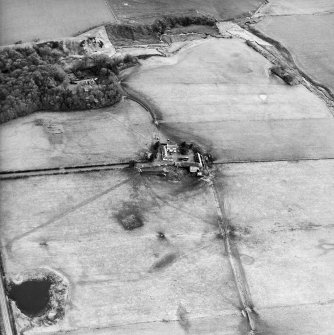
x,y
134,96
234,259
111,11
61,170
6,321
17,174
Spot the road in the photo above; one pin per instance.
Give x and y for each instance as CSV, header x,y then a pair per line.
x,y
5,321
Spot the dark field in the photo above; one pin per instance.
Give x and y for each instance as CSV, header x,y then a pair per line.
x,y
148,10
310,39
48,19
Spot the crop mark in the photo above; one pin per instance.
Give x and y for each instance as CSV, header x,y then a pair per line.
x,y
182,315
164,262
246,259
161,236
325,247
60,216
130,216
157,197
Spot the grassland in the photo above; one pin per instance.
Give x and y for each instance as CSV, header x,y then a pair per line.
x,y
54,139
220,93
283,218
119,279
49,19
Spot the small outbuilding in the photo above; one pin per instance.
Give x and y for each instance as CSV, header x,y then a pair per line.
x,y
193,169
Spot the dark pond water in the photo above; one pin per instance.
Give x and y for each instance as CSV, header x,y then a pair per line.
x,y
31,297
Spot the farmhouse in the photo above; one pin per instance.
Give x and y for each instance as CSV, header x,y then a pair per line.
x,y
171,148
86,82
167,150
193,169
169,155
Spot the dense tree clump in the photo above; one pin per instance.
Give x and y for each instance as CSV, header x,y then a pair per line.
x,y
33,78
289,75
123,34
168,22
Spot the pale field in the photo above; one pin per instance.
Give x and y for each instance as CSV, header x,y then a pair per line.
x,y
283,215
148,10
219,92
73,229
55,139
309,38
49,19
257,140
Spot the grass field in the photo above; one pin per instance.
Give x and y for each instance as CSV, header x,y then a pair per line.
x,y
124,281
219,93
48,19
310,39
287,7
54,139
283,218
148,10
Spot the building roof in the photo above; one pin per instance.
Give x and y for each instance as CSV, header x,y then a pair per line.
x,y
193,168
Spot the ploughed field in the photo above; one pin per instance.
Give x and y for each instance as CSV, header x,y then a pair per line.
x,y
49,19
148,10
219,93
310,40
